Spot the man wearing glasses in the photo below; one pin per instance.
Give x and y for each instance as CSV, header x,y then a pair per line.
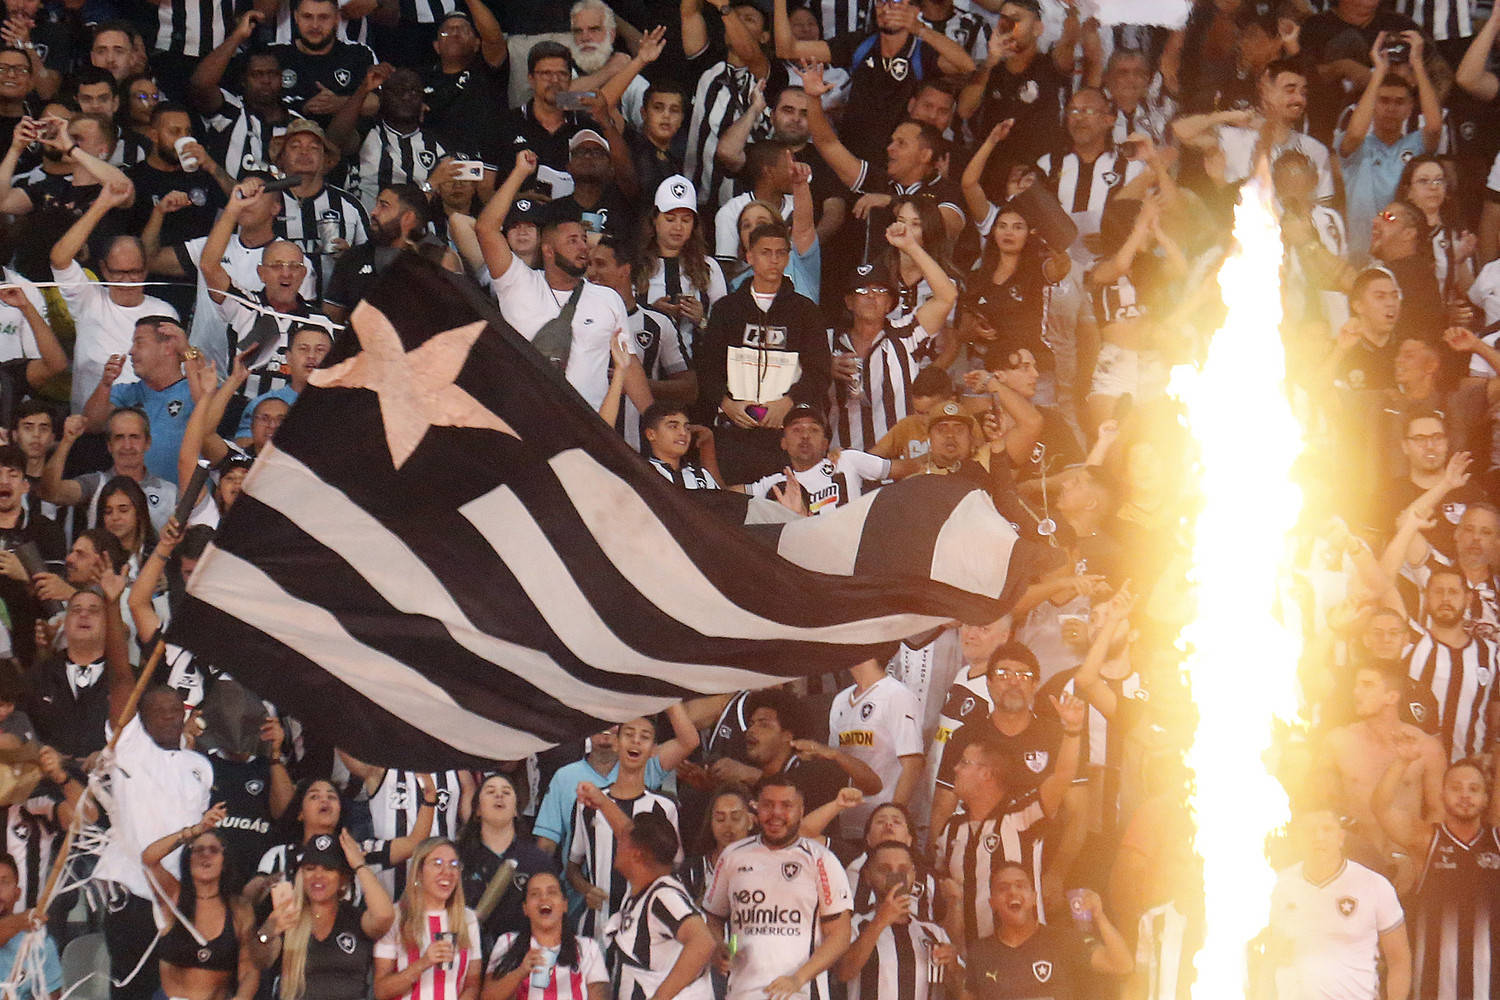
x,y
540,125
1090,174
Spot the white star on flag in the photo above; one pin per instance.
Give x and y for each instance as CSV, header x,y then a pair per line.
x,y
415,389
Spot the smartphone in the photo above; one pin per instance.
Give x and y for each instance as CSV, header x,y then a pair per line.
x,y
281,894
575,100
468,170
1082,918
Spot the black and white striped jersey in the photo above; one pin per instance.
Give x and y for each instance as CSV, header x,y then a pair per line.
x,y
1461,680
192,27
356,29
661,357
302,218
861,419
970,31
131,148
427,11
1085,188
593,849
643,945
240,139
393,812
1444,20
1453,944
389,157
721,97
31,839
897,968
837,17
968,851
687,475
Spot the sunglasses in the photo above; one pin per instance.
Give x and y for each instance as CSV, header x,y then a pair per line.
x,y
872,290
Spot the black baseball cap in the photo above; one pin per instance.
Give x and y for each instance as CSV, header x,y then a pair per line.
x,y
323,850
806,411
525,210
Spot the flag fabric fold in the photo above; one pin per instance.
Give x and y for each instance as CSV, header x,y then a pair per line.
x,y
446,558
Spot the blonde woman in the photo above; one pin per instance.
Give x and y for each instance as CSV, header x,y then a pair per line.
x,y
432,952
319,942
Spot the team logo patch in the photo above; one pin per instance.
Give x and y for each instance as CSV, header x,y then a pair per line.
x,y
1454,511
679,190
644,339
198,197
790,869
991,842
966,707
1406,156
1347,905
898,68
426,158
524,205
41,50
1036,760
1110,177
20,832
1467,130
345,941
288,79
174,407
254,786
866,711
204,954
1029,92
1489,861
1417,709
1484,675
341,77
1042,969
322,842
725,732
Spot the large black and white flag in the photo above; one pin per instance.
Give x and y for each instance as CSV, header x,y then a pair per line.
x,y
448,558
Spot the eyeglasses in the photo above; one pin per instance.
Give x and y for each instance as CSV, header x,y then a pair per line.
x,y
1424,439
872,290
285,265
1013,675
11,69
1086,112
206,849
439,863
146,98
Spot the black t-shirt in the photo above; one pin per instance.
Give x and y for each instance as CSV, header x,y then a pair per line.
x,y
1367,366
819,781
1029,755
652,165
1050,964
481,864
1033,97
341,70
1016,308
204,194
879,86
1422,312
338,967
519,130
21,604
1400,494
245,789
463,108
614,214
354,271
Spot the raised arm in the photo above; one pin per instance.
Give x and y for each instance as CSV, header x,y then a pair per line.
x,y
497,255
953,59
684,739
53,487
788,47
54,359
1114,627
117,669
741,42
653,43
1428,101
403,848
863,776
13,202
816,821
730,152
1472,74
114,194
158,849
804,227
974,197
932,315
694,28
210,264
1364,110
1410,832
846,166
1071,711
203,86
492,44
142,613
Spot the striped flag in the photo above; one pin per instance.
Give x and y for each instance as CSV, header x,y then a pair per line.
x,y
447,558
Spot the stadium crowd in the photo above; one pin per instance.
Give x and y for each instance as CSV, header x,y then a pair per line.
x,y
797,250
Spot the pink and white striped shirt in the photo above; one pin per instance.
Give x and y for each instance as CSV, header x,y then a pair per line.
x,y
565,982
437,983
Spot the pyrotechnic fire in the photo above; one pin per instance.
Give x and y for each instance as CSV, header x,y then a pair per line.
x,y
1241,660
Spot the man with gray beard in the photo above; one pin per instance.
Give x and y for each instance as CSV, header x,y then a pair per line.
x,y
593,46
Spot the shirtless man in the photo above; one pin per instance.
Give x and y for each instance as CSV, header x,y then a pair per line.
x,y
1360,753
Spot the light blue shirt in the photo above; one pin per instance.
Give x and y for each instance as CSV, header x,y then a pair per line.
x,y
168,411
554,819
51,965
805,270
1371,174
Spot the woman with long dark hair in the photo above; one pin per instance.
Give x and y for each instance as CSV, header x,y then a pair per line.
x,y
319,941
533,963
123,511
924,220
204,954
317,808
488,840
674,271
1424,183
730,817
432,951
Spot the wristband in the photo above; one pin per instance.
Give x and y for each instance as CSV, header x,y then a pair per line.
x,y
430,802
1072,732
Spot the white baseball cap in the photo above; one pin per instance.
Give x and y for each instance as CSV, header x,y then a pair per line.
x,y
586,135
676,192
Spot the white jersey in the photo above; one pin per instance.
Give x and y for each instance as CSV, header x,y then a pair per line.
x,y
774,901
968,699
1335,927
438,982
593,850
210,331
832,482
643,941
879,727
17,339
